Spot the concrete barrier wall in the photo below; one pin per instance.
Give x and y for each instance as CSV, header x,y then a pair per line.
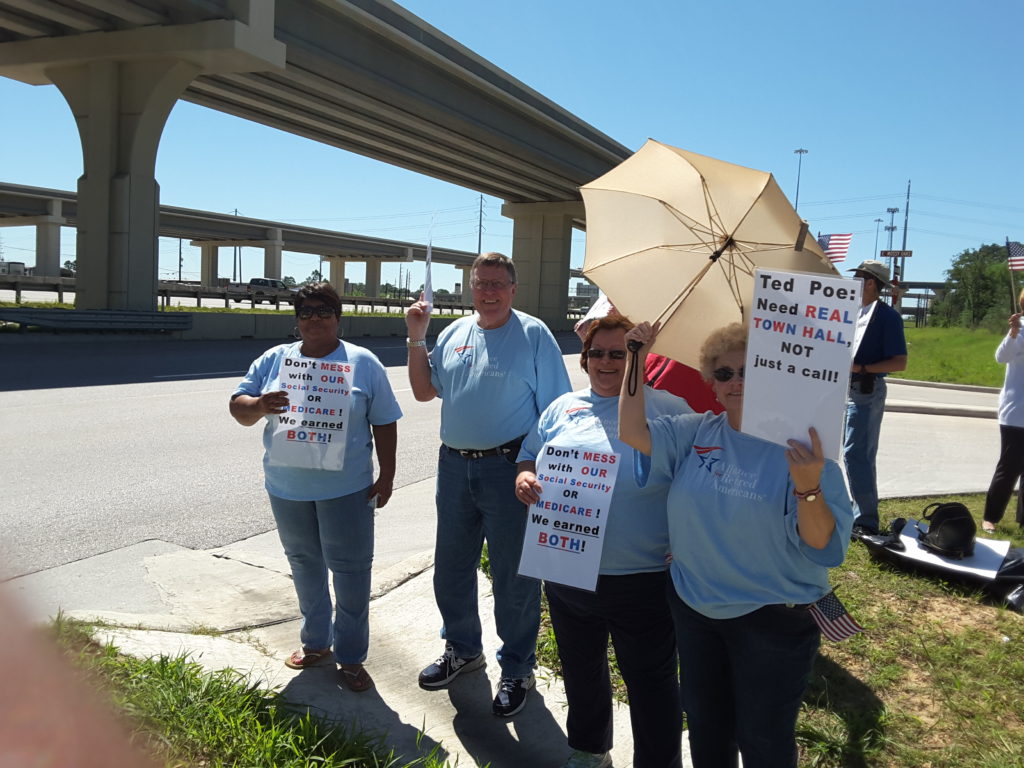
x,y
225,325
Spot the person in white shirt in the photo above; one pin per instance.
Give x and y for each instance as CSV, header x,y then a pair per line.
x,y
1010,466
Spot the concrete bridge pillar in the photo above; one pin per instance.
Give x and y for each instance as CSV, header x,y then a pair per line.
x,y
208,256
467,284
541,244
272,254
373,277
48,240
336,273
121,85
120,108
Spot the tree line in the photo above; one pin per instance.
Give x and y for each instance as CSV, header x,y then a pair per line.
x,y
978,291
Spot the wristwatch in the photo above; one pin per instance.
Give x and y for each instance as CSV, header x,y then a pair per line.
x,y
419,343
811,495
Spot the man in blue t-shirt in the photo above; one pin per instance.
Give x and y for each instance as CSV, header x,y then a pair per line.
x,y
495,372
879,348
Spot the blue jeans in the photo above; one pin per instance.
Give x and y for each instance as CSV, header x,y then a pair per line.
x,y
743,680
863,426
335,534
476,501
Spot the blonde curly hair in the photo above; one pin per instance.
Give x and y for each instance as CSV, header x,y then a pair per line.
x,y
728,338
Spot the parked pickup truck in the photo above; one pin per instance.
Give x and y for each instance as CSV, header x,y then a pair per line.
x,y
261,289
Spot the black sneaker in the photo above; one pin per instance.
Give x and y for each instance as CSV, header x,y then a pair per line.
x,y
511,696
860,531
447,668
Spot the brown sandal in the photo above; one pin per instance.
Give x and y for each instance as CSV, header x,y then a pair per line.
x,y
356,678
305,658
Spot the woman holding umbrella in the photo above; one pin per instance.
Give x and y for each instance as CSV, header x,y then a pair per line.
x,y
753,529
629,602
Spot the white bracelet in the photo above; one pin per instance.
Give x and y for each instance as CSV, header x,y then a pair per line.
x,y
410,343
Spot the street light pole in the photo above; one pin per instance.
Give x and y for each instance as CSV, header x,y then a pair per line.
x,y
891,229
799,167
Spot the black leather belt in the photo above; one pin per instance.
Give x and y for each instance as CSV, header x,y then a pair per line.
x,y
502,450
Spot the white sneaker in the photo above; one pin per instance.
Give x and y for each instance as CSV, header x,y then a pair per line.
x,y
581,759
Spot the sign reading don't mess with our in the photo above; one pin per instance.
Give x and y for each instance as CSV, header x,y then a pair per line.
x,y
312,432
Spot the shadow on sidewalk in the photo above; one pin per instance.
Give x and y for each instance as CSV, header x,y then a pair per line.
x,y
319,691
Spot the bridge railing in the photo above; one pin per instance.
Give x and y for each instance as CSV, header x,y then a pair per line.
x,y
167,290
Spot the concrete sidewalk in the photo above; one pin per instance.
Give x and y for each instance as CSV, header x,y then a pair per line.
x,y
234,607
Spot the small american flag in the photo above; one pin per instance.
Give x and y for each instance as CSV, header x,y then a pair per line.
x,y
832,619
835,246
1016,256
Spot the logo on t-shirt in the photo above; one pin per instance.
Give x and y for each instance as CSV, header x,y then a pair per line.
x,y
708,456
577,412
465,354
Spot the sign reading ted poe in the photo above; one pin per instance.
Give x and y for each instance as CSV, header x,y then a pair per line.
x,y
801,344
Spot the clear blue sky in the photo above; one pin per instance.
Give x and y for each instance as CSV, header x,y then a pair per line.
x,y
879,93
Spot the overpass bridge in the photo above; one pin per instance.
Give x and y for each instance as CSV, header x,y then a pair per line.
x,y
366,76
50,209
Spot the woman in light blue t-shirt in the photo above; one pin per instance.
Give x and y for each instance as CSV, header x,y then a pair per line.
x,y
629,602
327,405
753,528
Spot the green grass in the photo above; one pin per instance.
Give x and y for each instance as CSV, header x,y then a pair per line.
x,y
189,717
936,680
954,356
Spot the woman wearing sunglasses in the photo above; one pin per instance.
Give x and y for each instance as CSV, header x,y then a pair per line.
x,y
321,426
629,603
754,528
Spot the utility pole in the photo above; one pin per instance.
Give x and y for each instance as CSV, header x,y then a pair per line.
x,y
236,259
179,259
799,167
891,229
906,220
480,227
877,223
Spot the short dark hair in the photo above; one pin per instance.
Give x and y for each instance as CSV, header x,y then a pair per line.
x,y
494,259
320,292
609,322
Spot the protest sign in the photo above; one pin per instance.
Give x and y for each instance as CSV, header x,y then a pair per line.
x,y
313,431
799,354
565,529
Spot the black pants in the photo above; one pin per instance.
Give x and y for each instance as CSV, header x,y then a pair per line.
x,y
633,609
1009,468
743,681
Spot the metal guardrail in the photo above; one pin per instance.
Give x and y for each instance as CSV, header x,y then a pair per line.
x,y
168,290
96,319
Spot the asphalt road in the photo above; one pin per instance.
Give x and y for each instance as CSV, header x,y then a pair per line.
x,y
111,442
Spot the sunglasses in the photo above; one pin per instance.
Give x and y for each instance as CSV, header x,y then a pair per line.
x,y
614,354
322,311
725,373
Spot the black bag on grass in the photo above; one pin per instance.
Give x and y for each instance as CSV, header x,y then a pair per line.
x,y
951,530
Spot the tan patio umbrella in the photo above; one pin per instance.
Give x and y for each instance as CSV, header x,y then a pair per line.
x,y
676,236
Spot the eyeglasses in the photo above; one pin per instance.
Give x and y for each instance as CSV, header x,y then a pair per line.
x,y
725,373
490,285
322,311
614,354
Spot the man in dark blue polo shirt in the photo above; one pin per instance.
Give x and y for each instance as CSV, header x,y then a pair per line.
x,y
879,348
